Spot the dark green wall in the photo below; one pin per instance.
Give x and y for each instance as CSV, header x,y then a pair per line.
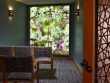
x,y
77,34
12,32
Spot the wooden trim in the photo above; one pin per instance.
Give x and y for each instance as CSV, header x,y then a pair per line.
x,y
60,56
88,38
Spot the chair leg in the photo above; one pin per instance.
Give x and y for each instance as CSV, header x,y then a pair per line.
x,y
37,76
51,65
37,72
38,65
15,82
32,82
37,80
5,81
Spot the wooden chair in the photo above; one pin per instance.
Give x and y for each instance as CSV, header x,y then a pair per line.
x,y
22,51
2,70
43,55
6,50
19,69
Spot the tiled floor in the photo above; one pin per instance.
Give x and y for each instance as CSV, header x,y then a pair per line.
x,y
66,72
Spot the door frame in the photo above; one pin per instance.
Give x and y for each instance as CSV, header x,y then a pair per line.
x,y
89,39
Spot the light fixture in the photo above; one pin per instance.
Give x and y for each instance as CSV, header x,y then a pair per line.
x,y
77,11
10,12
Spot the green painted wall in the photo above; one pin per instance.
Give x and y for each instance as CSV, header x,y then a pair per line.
x,y
12,32
77,33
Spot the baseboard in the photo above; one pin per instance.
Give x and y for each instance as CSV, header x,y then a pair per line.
x,y
60,56
77,65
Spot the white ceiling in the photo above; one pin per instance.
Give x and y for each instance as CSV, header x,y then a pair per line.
x,y
36,2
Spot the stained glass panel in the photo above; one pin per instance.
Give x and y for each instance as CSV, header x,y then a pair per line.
x,y
49,26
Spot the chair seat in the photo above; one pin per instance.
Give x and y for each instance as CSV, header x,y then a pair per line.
x,y
43,59
1,76
20,76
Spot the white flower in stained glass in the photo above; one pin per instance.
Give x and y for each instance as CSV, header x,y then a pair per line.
x,y
38,27
32,11
33,35
66,8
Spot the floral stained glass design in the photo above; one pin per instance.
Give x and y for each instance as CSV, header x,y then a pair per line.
x,y
49,26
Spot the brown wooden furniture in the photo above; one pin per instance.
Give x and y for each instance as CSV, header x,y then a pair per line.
x,y
6,50
43,55
22,50
19,69
18,63
21,60
2,70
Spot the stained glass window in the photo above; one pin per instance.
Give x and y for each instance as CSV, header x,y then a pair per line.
x,y
49,26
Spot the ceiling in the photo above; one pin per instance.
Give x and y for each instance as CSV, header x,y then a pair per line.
x,y
37,2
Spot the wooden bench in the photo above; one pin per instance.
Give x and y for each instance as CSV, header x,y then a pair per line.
x,y
15,57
